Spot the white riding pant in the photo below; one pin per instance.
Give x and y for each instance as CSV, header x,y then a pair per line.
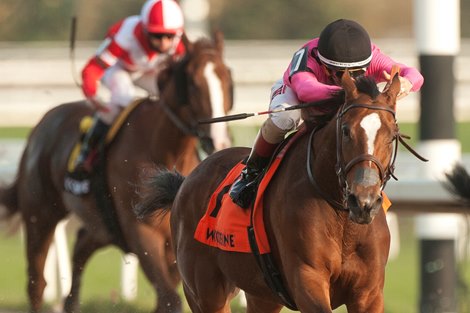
x,y
121,85
283,97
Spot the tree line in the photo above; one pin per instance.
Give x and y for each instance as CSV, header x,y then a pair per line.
x,y
24,20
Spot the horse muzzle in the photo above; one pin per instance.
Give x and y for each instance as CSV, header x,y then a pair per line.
x,y
364,197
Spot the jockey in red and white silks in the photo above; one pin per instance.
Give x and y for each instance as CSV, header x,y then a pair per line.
x,y
127,57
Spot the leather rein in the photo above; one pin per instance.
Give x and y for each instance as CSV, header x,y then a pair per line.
x,y
342,169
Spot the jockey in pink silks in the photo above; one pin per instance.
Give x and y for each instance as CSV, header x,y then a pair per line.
x,y
314,74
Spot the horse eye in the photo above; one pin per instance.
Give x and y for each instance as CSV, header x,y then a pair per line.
x,y
345,131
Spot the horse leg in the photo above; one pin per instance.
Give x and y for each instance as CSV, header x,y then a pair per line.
x,y
314,296
215,304
369,302
158,263
206,288
85,245
39,234
260,305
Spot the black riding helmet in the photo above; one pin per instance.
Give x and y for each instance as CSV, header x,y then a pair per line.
x,y
344,44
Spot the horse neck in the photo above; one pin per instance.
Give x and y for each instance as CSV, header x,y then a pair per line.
x,y
158,138
324,159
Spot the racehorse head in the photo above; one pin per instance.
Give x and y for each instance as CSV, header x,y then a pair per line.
x,y
366,143
204,87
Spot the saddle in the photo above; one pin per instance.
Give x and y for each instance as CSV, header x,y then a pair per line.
x,y
78,182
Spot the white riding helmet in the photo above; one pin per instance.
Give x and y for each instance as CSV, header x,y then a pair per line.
x,y
162,17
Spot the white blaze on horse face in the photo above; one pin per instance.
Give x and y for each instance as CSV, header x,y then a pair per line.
x,y
219,132
371,124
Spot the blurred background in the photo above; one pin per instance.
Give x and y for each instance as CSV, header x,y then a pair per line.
x,y
37,72
39,20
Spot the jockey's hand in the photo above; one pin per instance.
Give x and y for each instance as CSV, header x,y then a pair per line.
x,y
404,83
97,104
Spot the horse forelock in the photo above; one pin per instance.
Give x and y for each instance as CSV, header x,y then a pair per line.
x,y
367,85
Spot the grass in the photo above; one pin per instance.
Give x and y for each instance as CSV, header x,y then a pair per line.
x,y
14,132
244,136
101,281
101,291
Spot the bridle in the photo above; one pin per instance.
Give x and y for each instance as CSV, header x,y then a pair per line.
x,y
192,127
342,169
385,172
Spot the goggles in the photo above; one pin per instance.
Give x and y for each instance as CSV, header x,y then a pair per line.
x,y
353,72
160,36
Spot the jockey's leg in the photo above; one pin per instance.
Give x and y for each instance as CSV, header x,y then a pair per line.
x,y
148,82
271,134
121,87
95,135
243,190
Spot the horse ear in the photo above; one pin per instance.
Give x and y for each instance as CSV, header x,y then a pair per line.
x,y
392,89
394,71
219,41
187,43
349,86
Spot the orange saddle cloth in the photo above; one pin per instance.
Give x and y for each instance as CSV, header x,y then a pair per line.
x,y
225,225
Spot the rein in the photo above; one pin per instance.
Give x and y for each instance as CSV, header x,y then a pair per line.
x,y
341,169
179,123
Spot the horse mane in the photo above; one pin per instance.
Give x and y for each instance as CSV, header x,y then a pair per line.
x,y
176,67
203,43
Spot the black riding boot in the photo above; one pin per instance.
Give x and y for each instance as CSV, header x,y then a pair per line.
x,y
244,188
95,134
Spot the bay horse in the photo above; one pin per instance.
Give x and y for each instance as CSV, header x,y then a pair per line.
x,y
163,131
323,214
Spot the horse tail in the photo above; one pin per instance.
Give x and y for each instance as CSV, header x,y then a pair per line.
x,y
159,192
458,183
9,201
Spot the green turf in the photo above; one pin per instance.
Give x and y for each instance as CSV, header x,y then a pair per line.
x,y
101,291
14,132
243,136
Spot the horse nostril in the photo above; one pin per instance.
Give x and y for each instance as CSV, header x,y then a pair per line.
x,y
352,201
366,203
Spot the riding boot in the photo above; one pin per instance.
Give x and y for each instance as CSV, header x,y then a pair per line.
x,y
94,135
244,188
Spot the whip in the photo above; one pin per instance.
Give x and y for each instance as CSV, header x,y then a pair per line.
x,y
242,116
73,31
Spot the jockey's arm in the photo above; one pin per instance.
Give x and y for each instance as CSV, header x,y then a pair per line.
x,y
410,78
108,54
308,89
91,74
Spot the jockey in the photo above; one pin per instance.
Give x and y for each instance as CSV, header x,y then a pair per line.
x,y
129,56
314,74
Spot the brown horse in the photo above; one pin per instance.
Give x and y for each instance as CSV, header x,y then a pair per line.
x,y
323,215
163,131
